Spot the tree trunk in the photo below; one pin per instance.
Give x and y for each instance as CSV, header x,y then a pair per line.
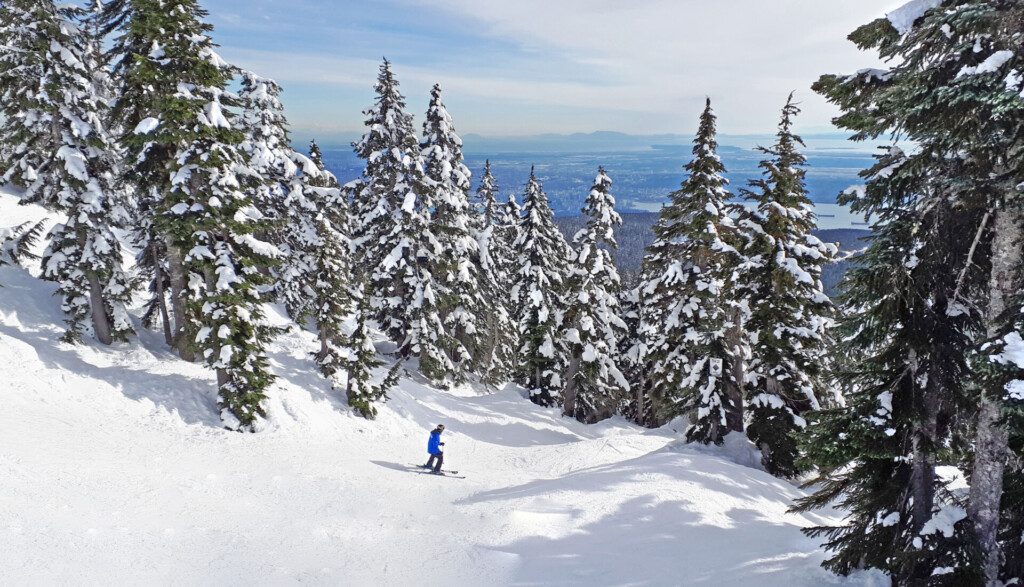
x,y
922,472
569,397
990,447
182,340
100,320
990,452
641,397
162,301
97,307
734,385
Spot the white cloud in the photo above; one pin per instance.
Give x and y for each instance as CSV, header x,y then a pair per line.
x,y
663,55
640,66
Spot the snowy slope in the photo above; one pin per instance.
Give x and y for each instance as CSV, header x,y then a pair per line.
x,y
114,470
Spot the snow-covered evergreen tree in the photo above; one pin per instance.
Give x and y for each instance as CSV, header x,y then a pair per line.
x,y
391,152
487,206
325,179
690,265
267,147
539,293
289,193
333,297
644,328
495,232
903,340
953,87
145,84
593,325
410,306
780,283
197,193
456,269
57,148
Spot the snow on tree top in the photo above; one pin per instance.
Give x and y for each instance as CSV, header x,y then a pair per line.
x,y
903,18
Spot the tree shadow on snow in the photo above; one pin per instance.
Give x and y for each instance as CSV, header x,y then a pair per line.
x,y
650,541
666,536
40,321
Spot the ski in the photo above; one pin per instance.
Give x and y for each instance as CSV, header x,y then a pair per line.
x,y
453,472
452,475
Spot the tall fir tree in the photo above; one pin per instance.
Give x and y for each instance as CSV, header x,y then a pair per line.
x,y
904,337
593,324
495,229
539,292
954,89
393,168
487,207
266,145
780,284
197,194
690,267
404,281
335,279
288,191
57,149
456,270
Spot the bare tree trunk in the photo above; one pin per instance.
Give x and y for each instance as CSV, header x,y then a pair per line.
x,y
569,397
734,385
100,320
641,399
182,342
990,452
990,448
922,472
97,307
162,301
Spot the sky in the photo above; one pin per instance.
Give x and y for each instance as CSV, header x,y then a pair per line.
x,y
525,67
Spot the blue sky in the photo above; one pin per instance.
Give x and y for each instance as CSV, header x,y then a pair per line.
x,y
534,66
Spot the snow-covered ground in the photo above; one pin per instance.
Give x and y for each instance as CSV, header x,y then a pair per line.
x,y
114,470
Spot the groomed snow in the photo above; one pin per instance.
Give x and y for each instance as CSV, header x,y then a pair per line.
x,y
115,470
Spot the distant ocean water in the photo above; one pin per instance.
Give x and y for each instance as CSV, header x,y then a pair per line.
x,y
643,178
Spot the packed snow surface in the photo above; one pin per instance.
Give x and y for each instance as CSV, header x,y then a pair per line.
x,y
116,470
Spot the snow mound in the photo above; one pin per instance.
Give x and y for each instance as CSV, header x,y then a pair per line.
x,y
116,470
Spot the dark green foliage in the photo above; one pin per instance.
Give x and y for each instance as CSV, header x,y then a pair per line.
x,y
903,348
789,313
954,89
688,272
539,292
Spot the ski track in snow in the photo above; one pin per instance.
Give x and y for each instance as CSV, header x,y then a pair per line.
x,y
115,470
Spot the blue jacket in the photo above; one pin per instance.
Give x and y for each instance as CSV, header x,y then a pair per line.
x,y
434,444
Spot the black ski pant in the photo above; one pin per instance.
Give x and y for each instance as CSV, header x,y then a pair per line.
x,y
440,459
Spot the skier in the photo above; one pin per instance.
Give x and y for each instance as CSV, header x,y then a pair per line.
x,y
434,448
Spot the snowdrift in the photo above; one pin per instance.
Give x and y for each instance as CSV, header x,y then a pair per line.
x,y
115,470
